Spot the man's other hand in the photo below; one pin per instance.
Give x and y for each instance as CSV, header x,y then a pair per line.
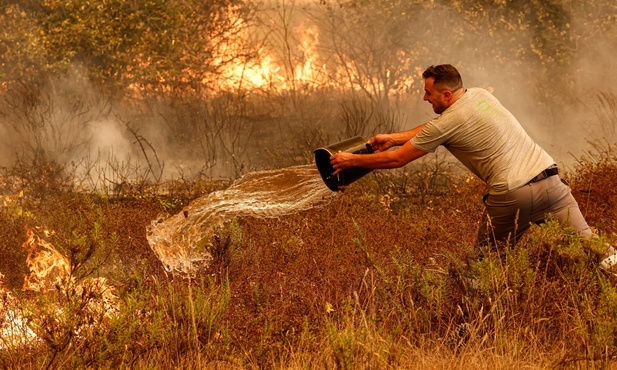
x,y
382,142
341,161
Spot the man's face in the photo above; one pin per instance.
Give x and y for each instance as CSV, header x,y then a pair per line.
x,y
434,96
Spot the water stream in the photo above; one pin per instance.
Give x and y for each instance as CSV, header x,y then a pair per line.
x,y
182,241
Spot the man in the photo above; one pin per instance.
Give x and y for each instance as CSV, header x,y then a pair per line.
x,y
523,180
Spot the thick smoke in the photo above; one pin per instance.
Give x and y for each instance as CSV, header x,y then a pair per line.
x,y
67,122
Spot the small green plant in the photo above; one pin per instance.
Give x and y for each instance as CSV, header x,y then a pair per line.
x,y
226,239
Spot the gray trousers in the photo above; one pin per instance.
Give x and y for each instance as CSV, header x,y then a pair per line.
x,y
508,216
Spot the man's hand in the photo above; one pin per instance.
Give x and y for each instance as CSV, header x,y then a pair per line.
x,y
382,142
341,161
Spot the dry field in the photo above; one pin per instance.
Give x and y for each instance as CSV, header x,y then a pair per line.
x,y
376,278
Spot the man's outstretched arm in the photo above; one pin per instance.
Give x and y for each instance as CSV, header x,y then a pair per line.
x,y
384,142
380,160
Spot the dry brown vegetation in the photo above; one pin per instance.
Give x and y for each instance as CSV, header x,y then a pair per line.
x,y
376,278
380,276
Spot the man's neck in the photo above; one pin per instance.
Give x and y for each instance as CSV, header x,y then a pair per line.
x,y
456,95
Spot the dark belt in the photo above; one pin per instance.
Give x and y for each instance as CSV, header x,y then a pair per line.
x,y
551,171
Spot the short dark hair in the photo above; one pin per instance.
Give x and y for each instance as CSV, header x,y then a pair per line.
x,y
445,75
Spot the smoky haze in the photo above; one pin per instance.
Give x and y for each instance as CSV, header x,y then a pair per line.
x,y
326,71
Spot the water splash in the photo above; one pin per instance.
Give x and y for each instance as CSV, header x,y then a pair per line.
x,y
182,242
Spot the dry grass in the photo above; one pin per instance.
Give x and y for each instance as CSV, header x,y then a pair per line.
x,y
374,279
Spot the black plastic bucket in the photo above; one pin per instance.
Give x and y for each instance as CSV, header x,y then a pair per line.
x,y
356,145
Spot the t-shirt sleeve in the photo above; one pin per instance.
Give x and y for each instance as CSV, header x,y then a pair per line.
x,y
430,137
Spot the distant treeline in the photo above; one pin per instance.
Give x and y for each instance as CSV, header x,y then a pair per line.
x,y
375,46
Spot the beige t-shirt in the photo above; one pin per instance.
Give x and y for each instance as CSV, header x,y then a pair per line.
x,y
487,139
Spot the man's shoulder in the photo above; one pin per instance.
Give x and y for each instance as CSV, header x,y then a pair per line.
x,y
477,98
478,91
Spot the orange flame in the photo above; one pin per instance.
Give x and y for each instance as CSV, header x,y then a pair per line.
x,y
48,267
14,331
304,68
50,270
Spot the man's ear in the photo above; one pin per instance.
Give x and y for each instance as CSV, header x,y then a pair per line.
x,y
447,94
